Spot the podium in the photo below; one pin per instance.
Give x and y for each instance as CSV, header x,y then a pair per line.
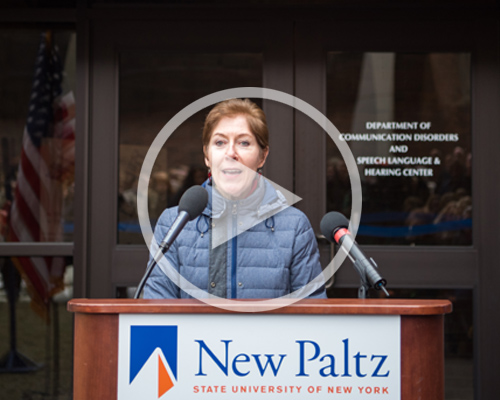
x,y
418,327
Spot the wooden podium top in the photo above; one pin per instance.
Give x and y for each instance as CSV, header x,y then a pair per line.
x,y
421,334
305,306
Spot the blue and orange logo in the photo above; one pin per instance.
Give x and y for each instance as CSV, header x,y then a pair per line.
x,y
144,340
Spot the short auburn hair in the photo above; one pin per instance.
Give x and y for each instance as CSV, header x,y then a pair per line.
x,y
232,108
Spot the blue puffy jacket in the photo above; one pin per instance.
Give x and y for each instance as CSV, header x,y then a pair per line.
x,y
275,257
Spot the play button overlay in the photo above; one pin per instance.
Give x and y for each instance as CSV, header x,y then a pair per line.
x,y
258,214
264,199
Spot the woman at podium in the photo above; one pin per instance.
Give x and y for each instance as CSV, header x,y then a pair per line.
x,y
249,242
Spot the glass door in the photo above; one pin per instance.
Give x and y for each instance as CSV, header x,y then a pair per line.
x,y
147,73
403,105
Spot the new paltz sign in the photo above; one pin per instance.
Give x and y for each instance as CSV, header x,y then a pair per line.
x,y
235,356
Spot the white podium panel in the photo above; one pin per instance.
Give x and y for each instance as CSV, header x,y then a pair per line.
x,y
258,356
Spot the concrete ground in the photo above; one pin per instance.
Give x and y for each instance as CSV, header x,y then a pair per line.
x,y
35,340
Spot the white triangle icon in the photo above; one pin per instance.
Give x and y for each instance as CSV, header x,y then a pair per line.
x,y
233,215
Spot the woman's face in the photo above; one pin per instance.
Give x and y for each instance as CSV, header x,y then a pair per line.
x,y
233,156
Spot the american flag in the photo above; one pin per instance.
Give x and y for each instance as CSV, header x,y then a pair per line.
x,y
47,154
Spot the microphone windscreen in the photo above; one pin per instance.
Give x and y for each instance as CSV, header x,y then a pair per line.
x,y
193,201
331,222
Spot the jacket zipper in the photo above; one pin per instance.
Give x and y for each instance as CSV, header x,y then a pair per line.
x,y
234,253
233,269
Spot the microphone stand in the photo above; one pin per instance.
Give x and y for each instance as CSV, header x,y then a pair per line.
x,y
369,277
161,251
191,204
179,223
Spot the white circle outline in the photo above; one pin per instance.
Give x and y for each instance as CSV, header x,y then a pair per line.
x,y
173,124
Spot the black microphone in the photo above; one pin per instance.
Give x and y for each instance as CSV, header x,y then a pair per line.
x,y
334,228
191,205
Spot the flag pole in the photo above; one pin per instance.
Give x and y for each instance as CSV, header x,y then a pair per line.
x,y
48,39
14,361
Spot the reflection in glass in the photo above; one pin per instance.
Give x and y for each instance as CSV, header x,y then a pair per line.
x,y
407,120
37,117
44,338
153,88
458,334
